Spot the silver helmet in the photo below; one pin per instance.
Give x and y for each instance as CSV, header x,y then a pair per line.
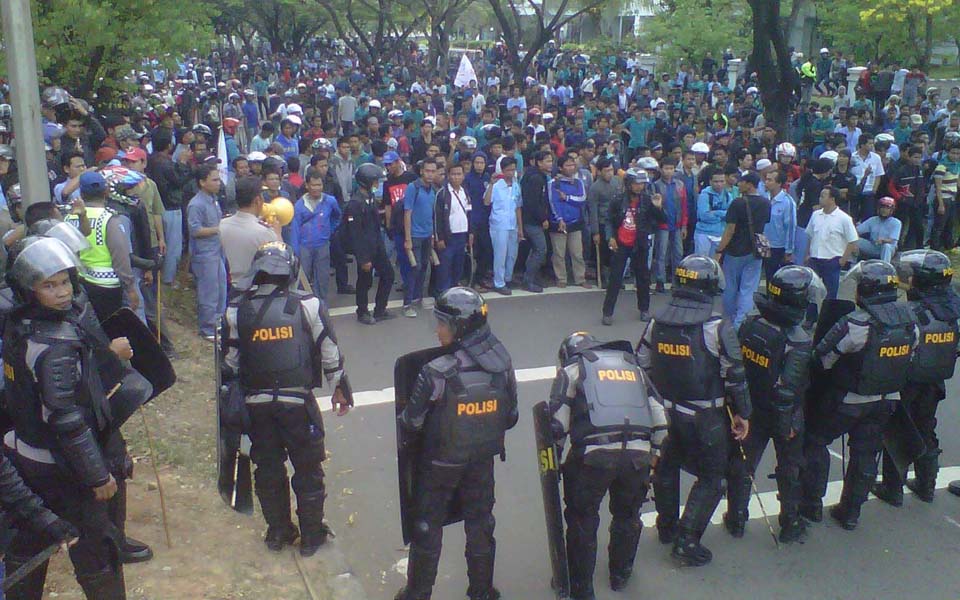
x,y
39,258
65,232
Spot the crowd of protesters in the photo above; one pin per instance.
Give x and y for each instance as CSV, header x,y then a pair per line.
x,y
582,172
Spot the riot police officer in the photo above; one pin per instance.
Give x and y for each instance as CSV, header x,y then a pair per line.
x,y
60,415
776,355
937,309
616,424
462,403
279,343
867,354
363,238
693,358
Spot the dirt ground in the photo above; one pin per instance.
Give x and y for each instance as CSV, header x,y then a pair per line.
x,y
216,554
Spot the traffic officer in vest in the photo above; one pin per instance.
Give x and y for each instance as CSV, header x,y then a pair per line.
x,y
459,442
693,358
616,424
60,417
108,275
776,355
867,356
937,309
280,345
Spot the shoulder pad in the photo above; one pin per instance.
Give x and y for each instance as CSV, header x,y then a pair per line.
x,y
444,365
797,336
56,330
683,311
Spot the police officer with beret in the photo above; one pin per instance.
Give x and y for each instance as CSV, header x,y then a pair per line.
x,y
776,354
693,358
867,355
280,345
616,423
462,404
937,309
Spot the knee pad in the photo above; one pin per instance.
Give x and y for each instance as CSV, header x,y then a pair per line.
x,y
423,536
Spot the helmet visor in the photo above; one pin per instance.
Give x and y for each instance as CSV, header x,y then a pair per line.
x,y
41,260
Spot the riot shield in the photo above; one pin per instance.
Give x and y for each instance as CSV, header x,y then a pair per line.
x,y
148,357
954,487
831,311
410,446
821,395
549,463
902,439
234,479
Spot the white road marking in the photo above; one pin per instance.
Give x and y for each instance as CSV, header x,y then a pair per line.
x,y
835,454
770,502
951,521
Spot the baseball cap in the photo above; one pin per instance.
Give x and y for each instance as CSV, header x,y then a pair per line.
x,y
390,157
104,154
916,120
764,163
134,154
92,183
374,104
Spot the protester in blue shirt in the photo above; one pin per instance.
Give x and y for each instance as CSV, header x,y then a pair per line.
x,y
506,224
879,234
781,230
712,204
315,218
418,202
288,136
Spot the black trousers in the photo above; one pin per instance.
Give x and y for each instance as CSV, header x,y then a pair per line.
x,y
473,484
586,480
641,272
95,557
381,264
864,424
338,259
921,401
789,459
105,300
279,430
701,444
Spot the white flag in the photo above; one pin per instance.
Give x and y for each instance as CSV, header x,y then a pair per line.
x,y
222,155
465,73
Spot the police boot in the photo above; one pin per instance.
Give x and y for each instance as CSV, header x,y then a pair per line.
x,y
738,497
313,531
622,550
31,586
275,505
581,559
792,529
688,551
812,511
421,574
889,492
926,468
847,512
480,576
103,585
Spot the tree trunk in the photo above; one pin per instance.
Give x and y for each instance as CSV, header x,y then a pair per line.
x,y
776,78
90,76
927,43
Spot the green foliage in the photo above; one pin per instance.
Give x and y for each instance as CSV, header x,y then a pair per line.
x,y
90,45
687,29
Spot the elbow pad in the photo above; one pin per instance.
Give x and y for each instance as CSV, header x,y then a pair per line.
x,y
82,454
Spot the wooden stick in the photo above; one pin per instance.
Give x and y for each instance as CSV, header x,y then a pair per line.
x,y
303,575
156,474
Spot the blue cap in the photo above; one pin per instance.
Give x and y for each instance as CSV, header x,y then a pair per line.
x,y
92,184
390,157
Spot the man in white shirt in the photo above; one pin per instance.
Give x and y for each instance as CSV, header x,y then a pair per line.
x,y
867,167
832,241
452,233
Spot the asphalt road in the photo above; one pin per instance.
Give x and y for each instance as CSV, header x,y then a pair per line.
x,y
894,553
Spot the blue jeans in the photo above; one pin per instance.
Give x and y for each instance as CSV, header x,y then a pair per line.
x,y
451,262
504,255
316,266
211,277
829,271
538,252
137,281
667,245
870,250
703,245
403,265
413,282
173,237
800,243
742,274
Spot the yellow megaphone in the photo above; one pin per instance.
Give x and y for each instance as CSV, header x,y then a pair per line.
x,y
278,210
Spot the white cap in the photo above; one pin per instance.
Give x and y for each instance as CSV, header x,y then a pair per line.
x,y
752,90
256,157
547,116
294,109
374,104
393,114
824,51
700,148
294,119
764,163
830,155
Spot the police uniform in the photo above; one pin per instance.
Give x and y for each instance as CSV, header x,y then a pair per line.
x,y
867,355
936,307
363,235
278,342
693,357
462,404
60,415
616,424
776,356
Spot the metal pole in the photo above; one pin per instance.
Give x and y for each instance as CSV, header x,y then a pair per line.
x,y
25,99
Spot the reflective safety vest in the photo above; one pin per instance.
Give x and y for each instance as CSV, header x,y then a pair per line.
x,y
96,258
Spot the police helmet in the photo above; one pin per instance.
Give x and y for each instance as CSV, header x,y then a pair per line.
x,y
53,97
795,286
700,274
635,176
368,174
574,344
461,309
927,268
877,281
274,262
36,258
65,232
322,143
201,129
